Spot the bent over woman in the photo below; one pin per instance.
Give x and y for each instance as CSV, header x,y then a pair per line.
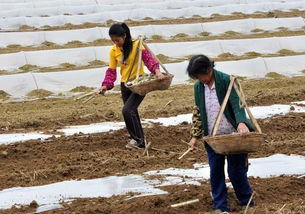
x,y
122,54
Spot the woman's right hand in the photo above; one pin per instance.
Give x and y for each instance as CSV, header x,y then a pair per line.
x,y
102,90
193,143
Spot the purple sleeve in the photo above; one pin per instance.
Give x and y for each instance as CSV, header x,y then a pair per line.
x,y
110,78
149,61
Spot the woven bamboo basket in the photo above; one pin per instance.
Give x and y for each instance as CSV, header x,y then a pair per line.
x,y
144,87
235,143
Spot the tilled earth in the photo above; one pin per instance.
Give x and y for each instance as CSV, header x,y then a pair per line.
x,y
51,114
99,155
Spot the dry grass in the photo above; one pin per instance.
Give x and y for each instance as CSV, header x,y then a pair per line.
x,y
49,44
196,16
257,30
67,65
81,89
27,28
282,29
157,37
216,15
224,56
74,42
231,33
253,54
204,34
4,95
28,67
286,52
163,58
180,35
147,18
13,46
97,63
40,93
101,42
275,75
4,72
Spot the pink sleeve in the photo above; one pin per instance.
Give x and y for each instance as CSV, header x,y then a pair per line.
x,y
110,78
149,61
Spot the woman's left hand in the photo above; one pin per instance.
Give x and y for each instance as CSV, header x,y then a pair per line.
x,y
242,129
159,75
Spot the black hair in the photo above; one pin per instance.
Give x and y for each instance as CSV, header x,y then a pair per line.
x,y
199,64
122,30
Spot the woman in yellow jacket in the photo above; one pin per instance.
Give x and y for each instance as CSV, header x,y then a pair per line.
x,y
122,54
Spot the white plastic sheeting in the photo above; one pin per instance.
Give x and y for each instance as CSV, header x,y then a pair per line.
x,y
259,112
13,9
266,167
7,139
77,56
243,26
113,2
213,48
141,13
19,85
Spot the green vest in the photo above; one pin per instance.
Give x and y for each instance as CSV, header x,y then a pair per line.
x,y
233,112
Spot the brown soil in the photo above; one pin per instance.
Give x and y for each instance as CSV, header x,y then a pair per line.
x,y
271,195
40,93
81,89
91,156
99,155
104,154
28,67
274,75
50,114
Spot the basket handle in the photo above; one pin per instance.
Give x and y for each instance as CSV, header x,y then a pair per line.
x,y
133,62
240,93
222,108
147,48
140,56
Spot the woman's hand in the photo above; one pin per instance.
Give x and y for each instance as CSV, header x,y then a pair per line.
x,y
242,129
193,143
102,90
159,74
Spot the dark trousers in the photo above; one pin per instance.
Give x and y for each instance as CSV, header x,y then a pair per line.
x,y
130,113
237,171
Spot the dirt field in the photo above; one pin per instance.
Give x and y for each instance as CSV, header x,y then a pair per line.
x,y
50,114
100,155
